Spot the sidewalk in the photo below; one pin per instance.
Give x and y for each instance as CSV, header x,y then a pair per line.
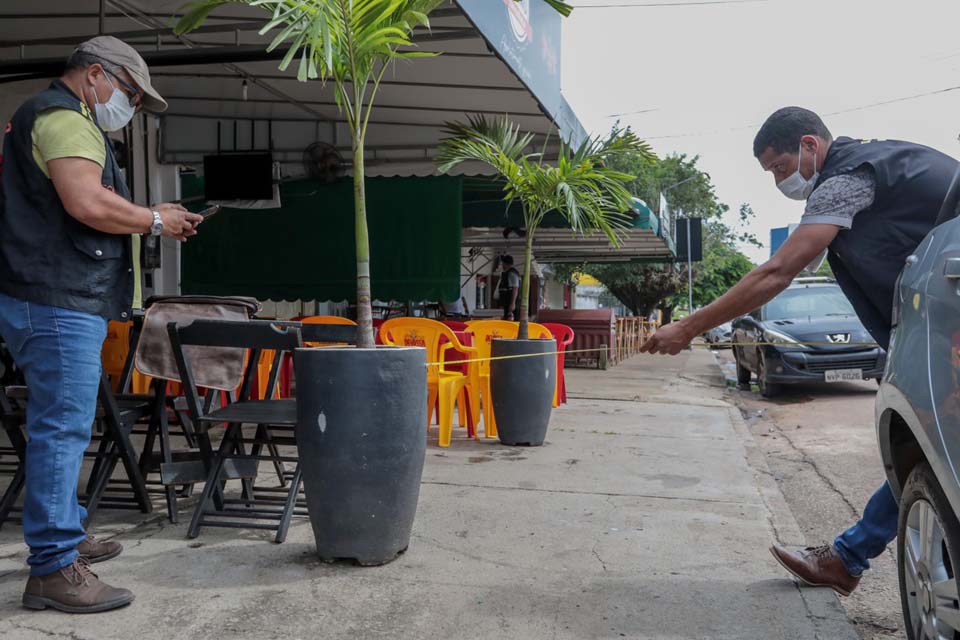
x,y
647,515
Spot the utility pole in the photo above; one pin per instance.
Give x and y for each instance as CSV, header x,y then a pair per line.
x,y
689,267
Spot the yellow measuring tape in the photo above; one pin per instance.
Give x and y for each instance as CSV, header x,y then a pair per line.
x,y
704,345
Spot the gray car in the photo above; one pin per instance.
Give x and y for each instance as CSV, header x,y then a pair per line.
x,y
918,425
808,333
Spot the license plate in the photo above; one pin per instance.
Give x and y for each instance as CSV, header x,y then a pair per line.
x,y
844,375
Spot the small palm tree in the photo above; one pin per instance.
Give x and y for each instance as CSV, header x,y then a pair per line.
x,y
579,186
353,43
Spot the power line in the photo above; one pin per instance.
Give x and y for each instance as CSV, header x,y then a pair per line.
x,y
633,113
886,102
862,107
663,4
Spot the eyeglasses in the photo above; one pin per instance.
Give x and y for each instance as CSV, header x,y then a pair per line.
x,y
133,94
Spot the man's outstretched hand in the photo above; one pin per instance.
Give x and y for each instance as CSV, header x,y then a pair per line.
x,y
669,339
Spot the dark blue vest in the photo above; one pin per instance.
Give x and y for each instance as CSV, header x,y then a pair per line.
x,y
46,255
912,181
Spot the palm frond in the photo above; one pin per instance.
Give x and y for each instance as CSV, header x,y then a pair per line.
x,y
580,186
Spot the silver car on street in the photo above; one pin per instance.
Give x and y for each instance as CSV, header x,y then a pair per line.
x,y
918,425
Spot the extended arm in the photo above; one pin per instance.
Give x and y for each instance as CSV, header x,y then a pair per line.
x,y
755,289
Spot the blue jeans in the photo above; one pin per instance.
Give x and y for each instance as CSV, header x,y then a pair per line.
x,y
870,536
58,351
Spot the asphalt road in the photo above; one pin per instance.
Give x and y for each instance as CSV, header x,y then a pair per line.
x,y
821,447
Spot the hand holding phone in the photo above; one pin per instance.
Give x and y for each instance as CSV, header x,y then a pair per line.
x,y
209,211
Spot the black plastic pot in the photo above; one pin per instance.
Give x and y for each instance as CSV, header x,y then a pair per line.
x,y
361,416
522,389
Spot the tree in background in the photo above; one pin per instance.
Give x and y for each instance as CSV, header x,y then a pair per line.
x,y
643,287
640,287
723,263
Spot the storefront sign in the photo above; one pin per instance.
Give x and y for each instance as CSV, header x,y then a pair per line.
x,y
526,34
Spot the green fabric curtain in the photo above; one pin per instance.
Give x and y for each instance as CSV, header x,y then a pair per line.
x,y
305,250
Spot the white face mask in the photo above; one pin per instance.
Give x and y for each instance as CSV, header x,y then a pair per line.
x,y
795,186
116,112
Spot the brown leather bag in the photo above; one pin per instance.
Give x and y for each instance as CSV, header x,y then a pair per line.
x,y
213,367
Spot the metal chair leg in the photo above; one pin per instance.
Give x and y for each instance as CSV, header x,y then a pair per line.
x,y
11,494
208,489
289,506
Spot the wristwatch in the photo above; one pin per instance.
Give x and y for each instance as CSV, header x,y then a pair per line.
x,y
156,229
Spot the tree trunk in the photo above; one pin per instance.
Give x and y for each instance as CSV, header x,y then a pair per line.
x,y
365,339
667,314
524,333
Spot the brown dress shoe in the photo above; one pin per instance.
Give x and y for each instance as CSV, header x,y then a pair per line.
x,y
74,589
96,551
817,567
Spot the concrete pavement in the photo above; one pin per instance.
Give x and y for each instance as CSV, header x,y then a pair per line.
x,y
646,515
820,442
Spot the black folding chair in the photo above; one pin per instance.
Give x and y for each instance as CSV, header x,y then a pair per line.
x,y
257,507
115,421
13,418
167,419
112,427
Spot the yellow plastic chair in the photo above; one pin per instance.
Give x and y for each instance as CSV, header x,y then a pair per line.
x,y
484,332
448,386
116,349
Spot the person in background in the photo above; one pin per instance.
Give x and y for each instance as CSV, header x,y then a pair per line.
x,y
67,267
869,205
509,289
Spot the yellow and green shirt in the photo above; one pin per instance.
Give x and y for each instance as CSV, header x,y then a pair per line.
x,y
64,133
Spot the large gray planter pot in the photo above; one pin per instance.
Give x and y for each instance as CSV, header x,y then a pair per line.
x,y
361,416
522,389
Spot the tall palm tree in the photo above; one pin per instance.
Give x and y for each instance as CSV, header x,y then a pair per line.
x,y
352,43
578,185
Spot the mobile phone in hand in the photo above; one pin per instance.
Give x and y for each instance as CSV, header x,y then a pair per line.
x,y
209,211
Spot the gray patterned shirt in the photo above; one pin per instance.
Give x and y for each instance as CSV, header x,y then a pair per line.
x,y
837,201
840,198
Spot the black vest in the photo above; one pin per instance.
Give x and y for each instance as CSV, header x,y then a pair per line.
x,y
46,255
911,182
505,292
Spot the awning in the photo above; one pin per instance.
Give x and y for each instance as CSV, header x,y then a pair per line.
x,y
489,223
226,92
303,250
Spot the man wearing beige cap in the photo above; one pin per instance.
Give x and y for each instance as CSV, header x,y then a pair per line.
x,y
67,266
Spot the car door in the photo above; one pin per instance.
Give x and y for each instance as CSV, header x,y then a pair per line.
x,y
943,318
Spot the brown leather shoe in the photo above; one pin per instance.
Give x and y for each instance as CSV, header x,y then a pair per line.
x,y
74,589
96,551
817,567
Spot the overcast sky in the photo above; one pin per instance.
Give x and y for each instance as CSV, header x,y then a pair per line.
x,y
710,74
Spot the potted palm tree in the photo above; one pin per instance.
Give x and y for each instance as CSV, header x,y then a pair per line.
x,y
361,460
591,197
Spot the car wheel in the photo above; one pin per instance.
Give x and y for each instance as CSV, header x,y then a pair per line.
x,y
767,389
744,375
928,544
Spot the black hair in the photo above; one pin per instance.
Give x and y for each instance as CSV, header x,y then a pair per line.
x,y
784,128
506,259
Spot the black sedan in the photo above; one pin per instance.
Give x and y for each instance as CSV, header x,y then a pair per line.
x,y
807,312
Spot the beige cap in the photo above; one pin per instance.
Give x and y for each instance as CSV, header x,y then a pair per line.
x,y
118,52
